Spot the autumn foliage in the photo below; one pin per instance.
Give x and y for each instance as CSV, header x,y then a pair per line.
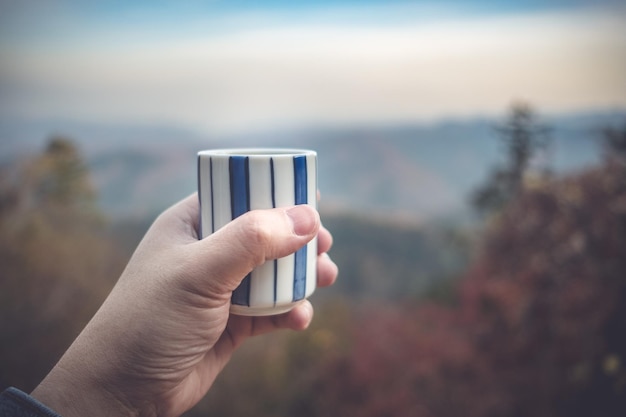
x,y
56,261
536,326
539,329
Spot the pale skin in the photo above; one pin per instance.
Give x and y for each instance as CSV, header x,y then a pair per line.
x,y
156,345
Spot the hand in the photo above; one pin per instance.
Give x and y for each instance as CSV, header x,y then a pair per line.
x,y
163,335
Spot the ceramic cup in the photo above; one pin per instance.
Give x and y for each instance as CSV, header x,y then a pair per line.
x,y
234,181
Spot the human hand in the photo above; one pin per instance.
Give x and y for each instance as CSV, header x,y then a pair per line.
x,y
160,339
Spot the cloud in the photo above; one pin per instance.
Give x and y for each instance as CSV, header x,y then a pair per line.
x,y
311,74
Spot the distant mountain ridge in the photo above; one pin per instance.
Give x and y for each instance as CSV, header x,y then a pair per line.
x,y
420,170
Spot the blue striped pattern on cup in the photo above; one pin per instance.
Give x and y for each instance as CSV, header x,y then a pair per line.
x,y
234,181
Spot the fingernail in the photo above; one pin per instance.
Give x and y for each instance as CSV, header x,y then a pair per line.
x,y
308,308
301,316
303,219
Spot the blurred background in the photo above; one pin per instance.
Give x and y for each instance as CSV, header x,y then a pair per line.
x,y
472,166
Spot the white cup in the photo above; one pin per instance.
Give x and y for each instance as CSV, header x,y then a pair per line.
x,y
234,181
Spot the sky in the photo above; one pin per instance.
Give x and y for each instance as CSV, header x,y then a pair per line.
x,y
226,67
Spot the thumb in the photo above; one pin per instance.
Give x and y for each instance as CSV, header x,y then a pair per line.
x,y
229,254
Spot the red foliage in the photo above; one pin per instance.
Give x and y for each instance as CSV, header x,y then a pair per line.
x,y
540,328
548,299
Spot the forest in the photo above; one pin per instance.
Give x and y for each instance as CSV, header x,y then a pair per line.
x,y
521,313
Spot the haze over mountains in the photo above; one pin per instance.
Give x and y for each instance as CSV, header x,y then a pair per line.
x,y
419,171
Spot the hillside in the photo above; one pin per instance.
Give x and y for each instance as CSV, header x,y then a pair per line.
x,y
387,260
420,170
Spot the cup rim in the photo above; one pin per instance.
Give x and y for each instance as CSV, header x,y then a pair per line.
x,y
256,152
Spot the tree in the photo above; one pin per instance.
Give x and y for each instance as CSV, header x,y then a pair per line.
x,y
56,263
67,182
538,329
614,141
547,300
523,137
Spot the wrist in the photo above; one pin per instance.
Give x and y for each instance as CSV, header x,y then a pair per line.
x,y
72,396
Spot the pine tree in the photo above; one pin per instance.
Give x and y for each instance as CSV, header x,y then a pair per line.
x,y
523,137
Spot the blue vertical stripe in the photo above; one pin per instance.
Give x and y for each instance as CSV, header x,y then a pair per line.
x,y
272,182
273,188
212,196
300,180
240,203
239,185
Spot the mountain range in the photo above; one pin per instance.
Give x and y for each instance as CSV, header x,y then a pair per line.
x,y
418,172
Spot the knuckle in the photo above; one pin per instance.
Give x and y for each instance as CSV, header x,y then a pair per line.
x,y
257,236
